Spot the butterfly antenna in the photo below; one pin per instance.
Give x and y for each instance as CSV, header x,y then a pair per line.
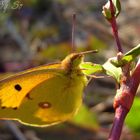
x,y
87,52
73,33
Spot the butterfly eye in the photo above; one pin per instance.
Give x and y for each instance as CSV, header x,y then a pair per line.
x,y
18,87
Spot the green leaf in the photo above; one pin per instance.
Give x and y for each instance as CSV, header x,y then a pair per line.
x,y
132,54
85,118
128,57
91,68
117,6
106,11
133,117
112,70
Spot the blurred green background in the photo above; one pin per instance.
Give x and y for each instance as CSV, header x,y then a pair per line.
x,y
35,32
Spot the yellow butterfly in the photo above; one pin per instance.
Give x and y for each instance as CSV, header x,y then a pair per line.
x,y
44,95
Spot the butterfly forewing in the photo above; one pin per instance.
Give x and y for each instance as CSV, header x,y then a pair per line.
x,y
15,88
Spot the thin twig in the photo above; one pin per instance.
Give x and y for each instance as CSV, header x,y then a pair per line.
x,y
114,27
73,32
115,32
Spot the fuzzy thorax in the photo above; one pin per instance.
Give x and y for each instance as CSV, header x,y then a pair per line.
x,y
72,62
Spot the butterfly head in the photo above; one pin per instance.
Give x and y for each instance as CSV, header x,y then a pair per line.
x,y
72,61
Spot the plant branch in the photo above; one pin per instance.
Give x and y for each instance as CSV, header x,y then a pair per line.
x,y
120,114
123,102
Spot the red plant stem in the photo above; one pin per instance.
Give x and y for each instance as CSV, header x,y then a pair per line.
x,y
125,103
114,27
112,8
128,86
115,32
